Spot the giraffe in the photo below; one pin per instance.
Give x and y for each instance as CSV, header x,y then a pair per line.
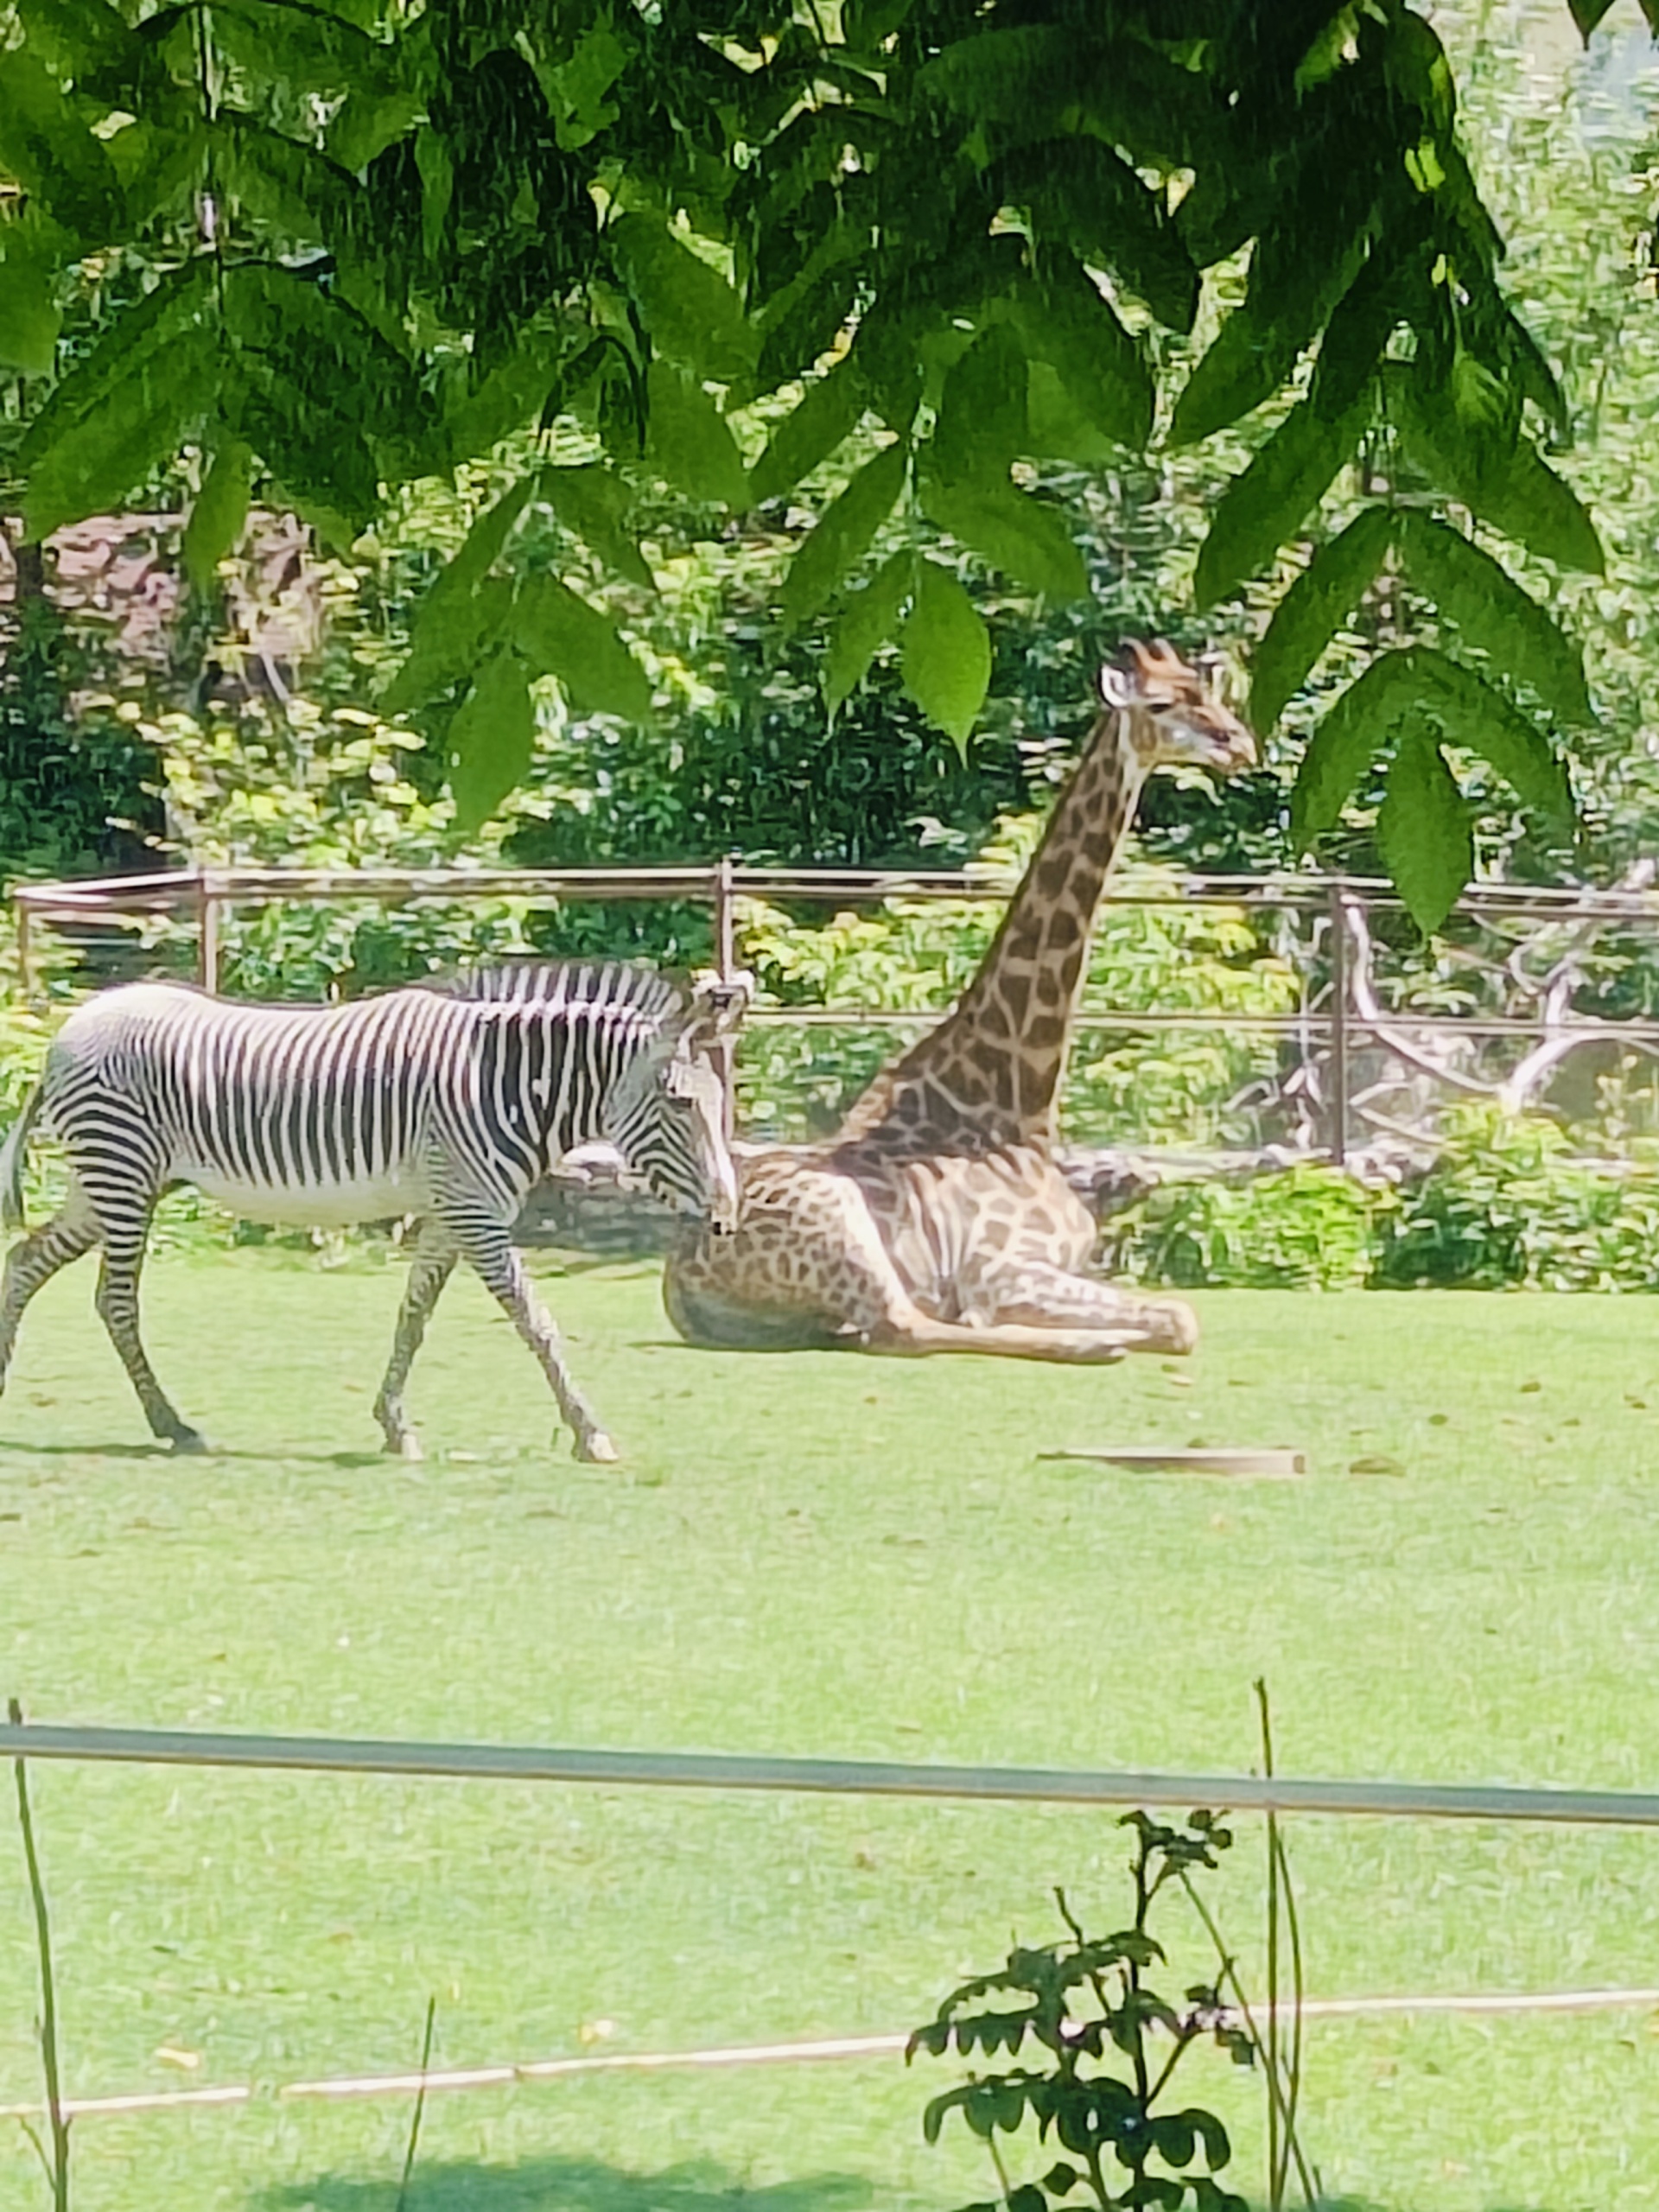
x,y
936,1219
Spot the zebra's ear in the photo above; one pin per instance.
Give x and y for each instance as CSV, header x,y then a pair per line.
x,y
718,1004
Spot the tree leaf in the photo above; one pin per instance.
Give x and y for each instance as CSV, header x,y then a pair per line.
x,y
1312,610
434,166
947,654
1494,615
981,418
451,633
1240,369
1472,714
310,49
485,541
1082,194
1029,541
293,188
1065,323
805,326
830,410
1284,482
596,503
559,634
1511,487
1356,725
1423,830
138,333
51,154
366,124
30,315
842,534
695,318
1057,429
492,739
690,441
867,620
140,420
547,358
221,510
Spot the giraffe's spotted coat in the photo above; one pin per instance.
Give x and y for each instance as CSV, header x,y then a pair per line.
x,y
937,1220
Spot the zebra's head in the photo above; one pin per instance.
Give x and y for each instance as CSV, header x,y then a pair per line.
x,y
666,1112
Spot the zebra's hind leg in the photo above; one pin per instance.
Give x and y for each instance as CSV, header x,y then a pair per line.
x,y
502,1275
435,1258
31,1264
117,1307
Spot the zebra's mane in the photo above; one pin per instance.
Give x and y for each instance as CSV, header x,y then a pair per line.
x,y
572,983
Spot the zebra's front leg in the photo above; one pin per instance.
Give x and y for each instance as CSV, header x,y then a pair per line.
x,y
117,1307
502,1272
430,1269
31,1264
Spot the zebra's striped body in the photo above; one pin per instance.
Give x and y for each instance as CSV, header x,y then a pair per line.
x,y
449,1104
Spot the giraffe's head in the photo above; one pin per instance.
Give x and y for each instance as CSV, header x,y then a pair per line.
x,y
1172,713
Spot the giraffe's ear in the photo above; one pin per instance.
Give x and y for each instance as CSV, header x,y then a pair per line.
x,y
1116,685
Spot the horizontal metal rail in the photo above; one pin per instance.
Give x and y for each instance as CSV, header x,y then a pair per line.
x,y
163,890
1271,1025
1238,1793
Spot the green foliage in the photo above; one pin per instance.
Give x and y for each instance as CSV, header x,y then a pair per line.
x,y
844,533
947,654
697,238
1305,1228
1507,1208
1101,2048
1312,611
1423,830
326,791
1504,1206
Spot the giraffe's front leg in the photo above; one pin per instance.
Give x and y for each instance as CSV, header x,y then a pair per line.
x,y
1035,1294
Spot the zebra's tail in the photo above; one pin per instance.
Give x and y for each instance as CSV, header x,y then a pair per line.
x,y
11,1162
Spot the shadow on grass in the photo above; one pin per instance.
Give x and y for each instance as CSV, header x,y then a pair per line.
x,y
569,2185
24,1451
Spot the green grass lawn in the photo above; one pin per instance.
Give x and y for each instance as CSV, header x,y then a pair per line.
x,y
811,1554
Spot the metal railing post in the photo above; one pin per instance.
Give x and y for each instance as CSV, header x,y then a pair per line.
x,y
207,945
25,950
1338,1027
725,962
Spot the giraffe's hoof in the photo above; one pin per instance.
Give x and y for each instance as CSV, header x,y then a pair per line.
x,y
597,1450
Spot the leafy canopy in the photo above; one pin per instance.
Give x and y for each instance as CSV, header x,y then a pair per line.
x,y
361,244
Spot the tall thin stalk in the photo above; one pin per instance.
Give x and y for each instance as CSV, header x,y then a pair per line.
x,y
1275,2158
57,2166
420,2106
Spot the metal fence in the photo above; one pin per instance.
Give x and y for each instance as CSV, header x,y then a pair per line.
x,y
870,1778
1352,1056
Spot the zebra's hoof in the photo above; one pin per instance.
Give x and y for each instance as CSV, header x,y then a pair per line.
x,y
597,1449
410,1449
191,1441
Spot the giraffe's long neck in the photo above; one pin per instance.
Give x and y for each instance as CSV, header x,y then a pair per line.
x,y
991,1072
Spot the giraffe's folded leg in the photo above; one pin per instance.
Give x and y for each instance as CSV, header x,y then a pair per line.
x,y
1033,1294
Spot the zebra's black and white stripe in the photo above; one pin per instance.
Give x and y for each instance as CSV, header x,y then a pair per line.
x,y
447,1102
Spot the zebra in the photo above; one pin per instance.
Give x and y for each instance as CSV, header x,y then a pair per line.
x,y
447,1101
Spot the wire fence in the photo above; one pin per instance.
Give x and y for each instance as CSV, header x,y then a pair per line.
x,y
1367,1056
867,1778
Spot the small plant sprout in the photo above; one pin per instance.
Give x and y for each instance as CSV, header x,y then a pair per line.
x,y
1113,2046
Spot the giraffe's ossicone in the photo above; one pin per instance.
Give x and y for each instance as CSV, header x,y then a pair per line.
x,y
936,1219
